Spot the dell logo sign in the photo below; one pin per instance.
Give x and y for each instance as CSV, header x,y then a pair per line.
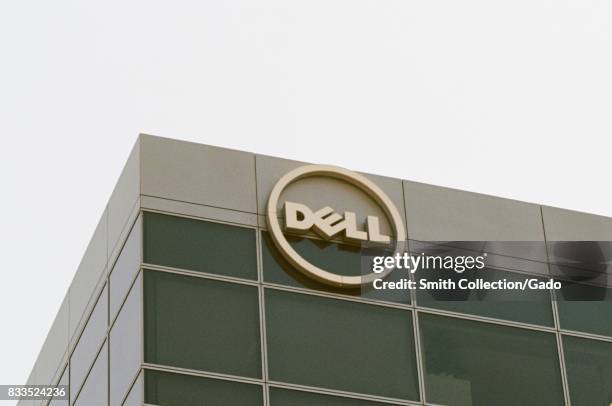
x,y
329,224
325,222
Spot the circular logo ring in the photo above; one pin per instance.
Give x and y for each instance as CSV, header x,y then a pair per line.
x,y
354,179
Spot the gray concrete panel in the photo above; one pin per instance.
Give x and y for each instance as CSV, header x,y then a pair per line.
x,y
197,210
506,227
124,198
54,351
134,398
126,268
88,276
89,342
436,213
114,254
126,344
95,388
568,225
579,246
198,173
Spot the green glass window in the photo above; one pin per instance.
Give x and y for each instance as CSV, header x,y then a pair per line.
x,y
337,258
340,344
589,371
592,316
333,257
469,363
202,324
285,397
199,246
166,389
530,306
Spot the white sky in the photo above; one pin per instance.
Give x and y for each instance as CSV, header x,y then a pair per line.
x,y
506,98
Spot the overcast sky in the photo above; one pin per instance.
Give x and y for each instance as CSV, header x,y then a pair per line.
x,y
508,98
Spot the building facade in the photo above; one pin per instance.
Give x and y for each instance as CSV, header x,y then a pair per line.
x,y
184,298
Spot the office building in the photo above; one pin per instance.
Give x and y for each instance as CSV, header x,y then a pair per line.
x,y
184,296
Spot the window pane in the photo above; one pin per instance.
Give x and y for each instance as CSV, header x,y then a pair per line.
x,y
126,268
531,306
89,343
126,344
95,388
202,324
589,371
134,398
469,363
341,345
333,257
338,258
163,388
63,381
592,316
286,397
199,245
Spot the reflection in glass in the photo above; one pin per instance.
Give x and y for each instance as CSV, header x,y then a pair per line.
x,y
469,363
163,388
285,397
589,371
202,324
339,344
197,245
530,306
